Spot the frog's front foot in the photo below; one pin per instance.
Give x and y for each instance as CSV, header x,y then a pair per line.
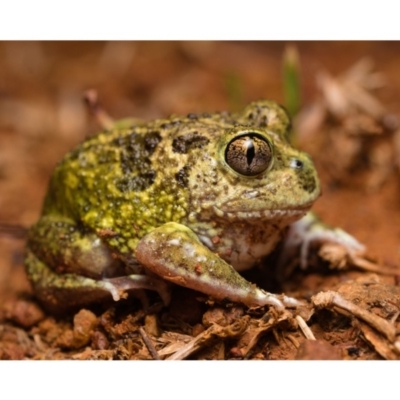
x,y
175,253
310,230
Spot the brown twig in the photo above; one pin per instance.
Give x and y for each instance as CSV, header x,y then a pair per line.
x,y
372,266
204,338
293,340
331,299
149,344
13,230
379,343
305,328
94,106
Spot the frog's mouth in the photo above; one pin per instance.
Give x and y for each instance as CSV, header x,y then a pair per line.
x,y
260,215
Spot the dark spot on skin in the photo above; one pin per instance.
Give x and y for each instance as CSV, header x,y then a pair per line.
x,y
136,147
306,180
182,176
305,176
258,116
263,122
135,150
193,140
136,183
151,140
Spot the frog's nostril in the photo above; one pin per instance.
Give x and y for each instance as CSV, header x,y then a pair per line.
x,y
296,164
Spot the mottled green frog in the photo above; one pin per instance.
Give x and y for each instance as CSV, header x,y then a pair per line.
x,y
189,199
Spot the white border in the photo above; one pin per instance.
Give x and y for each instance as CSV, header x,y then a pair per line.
x,y
205,19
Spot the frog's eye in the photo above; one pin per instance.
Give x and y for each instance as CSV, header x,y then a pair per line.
x,y
249,154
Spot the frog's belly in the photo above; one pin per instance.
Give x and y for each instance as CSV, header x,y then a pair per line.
x,y
243,246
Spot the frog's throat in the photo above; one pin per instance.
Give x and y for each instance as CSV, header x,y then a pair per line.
x,y
292,213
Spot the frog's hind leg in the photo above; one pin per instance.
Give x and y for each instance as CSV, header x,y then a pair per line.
x,y
62,292
69,266
68,248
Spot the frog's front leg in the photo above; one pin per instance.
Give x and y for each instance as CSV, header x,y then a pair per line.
x,y
310,229
175,253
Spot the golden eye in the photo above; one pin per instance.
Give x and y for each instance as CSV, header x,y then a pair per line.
x,y
249,154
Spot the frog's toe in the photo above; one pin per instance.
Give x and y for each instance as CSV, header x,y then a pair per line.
x,y
336,236
119,285
291,302
310,230
279,302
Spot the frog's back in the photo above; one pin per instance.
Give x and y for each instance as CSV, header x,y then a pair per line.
x,y
128,181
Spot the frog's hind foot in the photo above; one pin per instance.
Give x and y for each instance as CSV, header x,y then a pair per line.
x,y
120,285
62,292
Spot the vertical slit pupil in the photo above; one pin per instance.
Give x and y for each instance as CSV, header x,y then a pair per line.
x,y
251,151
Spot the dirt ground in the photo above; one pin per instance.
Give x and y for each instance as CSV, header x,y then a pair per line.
x,y
348,122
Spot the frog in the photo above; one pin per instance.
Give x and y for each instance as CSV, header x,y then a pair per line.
x,y
190,200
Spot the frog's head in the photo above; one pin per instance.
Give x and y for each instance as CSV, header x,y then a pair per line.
x,y
252,172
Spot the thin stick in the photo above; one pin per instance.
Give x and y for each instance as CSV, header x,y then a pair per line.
x,y
209,335
13,230
371,266
293,340
305,328
149,344
102,117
